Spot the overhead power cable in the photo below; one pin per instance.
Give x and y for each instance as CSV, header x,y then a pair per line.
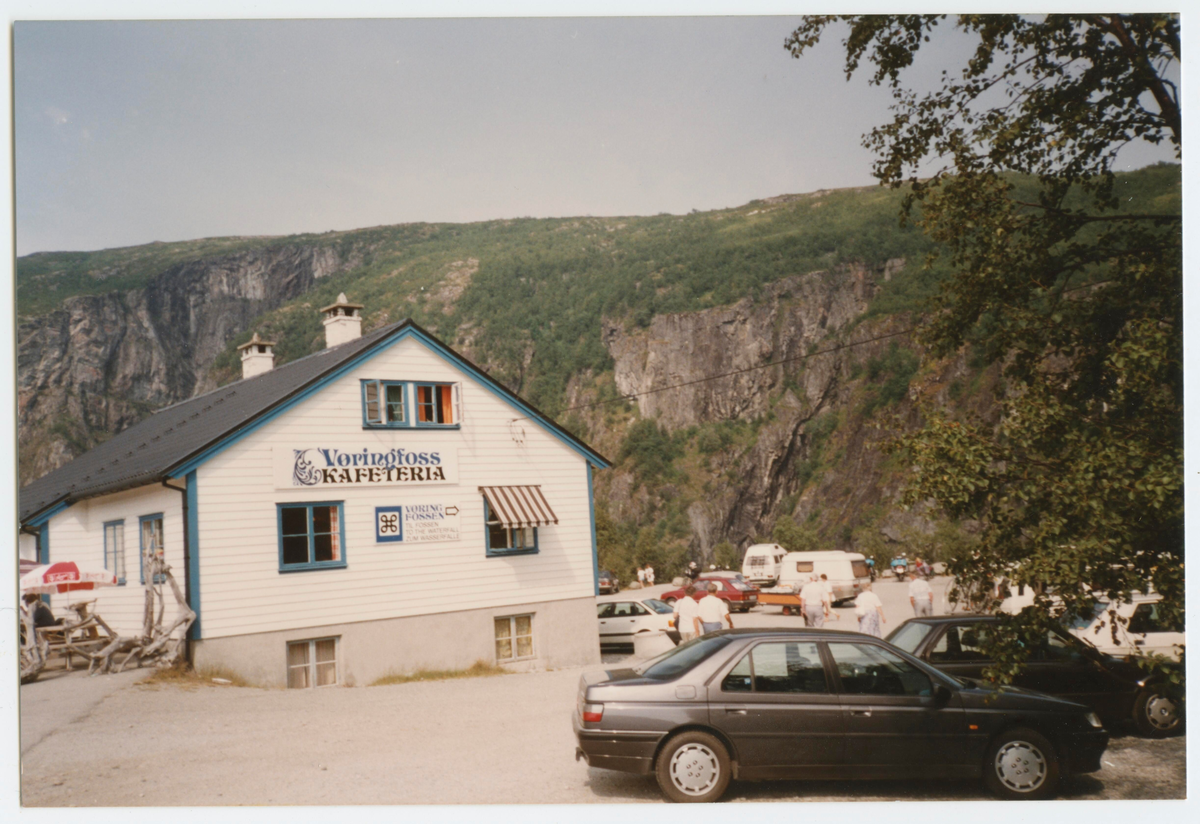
x,y
631,396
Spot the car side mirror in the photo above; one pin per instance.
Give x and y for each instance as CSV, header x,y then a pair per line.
x,y
941,696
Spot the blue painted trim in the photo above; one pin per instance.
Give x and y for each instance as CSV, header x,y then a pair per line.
x,y
383,385
595,547
390,539
357,361
43,547
312,565
119,522
193,569
504,552
142,548
47,515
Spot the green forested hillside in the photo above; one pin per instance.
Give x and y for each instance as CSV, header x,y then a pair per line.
x,y
527,297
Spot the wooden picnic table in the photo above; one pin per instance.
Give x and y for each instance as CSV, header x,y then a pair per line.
x,y
83,633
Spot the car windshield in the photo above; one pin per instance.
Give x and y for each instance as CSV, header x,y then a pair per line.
x,y
1084,621
658,606
675,662
909,636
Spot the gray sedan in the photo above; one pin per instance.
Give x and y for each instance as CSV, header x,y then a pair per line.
x,y
822,704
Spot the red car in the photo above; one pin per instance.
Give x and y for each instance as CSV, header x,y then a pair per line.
x,y
740,596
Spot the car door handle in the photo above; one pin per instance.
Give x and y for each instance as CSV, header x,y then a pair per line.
x,y
734,711
861,713
1139,642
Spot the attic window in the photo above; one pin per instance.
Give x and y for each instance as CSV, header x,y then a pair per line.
x,y
383,403
437,404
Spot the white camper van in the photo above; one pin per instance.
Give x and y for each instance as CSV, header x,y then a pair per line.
x,y
847,571
760,566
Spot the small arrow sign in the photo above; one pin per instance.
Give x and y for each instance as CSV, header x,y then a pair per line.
x,y
451,510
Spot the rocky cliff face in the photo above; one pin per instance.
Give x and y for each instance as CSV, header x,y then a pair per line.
x,y
813,454
101,363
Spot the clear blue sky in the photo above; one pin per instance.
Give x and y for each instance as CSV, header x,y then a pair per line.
x,y
130,132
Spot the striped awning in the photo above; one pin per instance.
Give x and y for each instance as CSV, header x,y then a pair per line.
x,y
519,506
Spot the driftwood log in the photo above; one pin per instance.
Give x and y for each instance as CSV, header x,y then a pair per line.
x,y
157,645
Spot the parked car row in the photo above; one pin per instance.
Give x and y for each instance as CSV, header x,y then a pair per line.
x,y
804,703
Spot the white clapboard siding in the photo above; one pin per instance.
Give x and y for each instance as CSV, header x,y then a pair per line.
x,y
77,534
241,588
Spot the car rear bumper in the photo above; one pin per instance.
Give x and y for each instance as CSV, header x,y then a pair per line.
x,y
1082,751
624,751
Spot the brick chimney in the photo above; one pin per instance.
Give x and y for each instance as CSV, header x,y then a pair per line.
x,y
343,322
258,356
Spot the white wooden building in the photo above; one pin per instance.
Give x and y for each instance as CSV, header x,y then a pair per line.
x,y
380,506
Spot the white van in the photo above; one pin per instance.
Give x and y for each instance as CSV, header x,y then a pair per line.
x,y
761,563
847,571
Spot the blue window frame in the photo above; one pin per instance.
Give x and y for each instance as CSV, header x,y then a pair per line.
x,y
150,535
503,540
114,548
436,405
311,536
384,404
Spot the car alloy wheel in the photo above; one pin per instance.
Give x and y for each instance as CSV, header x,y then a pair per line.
x,y
693,767
1156,714
1022,764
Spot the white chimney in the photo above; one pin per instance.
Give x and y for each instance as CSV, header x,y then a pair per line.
x,y
343,323
258,356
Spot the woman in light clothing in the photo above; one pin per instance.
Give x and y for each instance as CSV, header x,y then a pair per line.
x,y
869,610
687,613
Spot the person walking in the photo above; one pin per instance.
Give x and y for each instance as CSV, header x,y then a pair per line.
x,y
641,576
649,575
869,610
920,595
812,603
713,611
687,615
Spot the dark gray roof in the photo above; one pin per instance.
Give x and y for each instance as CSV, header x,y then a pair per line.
x,y
146,452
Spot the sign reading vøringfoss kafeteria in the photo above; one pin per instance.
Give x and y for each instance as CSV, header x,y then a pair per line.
x,y
320,466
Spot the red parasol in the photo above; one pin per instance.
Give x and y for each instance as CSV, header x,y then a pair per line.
x,y
65,576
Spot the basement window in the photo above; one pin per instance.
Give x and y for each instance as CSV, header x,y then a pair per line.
x,y
312,663
514,638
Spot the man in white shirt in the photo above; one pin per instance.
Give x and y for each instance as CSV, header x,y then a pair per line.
x,y
649,575
687,615
869,610
920,595
641,576
812,603
713,611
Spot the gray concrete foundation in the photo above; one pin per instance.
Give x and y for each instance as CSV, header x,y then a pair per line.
x,y
564,635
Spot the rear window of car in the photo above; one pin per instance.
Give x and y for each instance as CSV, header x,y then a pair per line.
x,y
859,569
909,636
675,662
658,606
740,587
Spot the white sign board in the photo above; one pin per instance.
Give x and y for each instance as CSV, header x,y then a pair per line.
x,y
417,523
319,465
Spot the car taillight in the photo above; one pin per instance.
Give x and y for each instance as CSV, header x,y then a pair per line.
x,y
593,712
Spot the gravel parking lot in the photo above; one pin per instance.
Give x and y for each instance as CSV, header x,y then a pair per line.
x,y
102,742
